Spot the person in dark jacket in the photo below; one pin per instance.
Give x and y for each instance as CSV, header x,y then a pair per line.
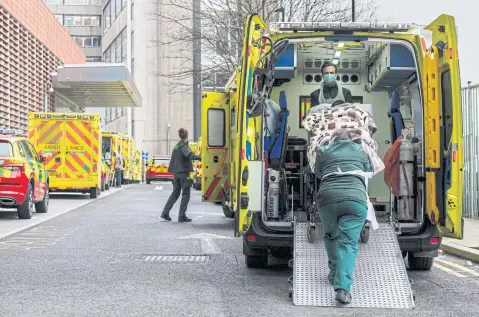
x,y
342,203
330,91
180,166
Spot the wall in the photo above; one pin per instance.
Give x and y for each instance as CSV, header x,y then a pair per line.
x,y
39,20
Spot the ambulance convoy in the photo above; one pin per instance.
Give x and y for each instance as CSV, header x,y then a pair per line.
x,y
78,156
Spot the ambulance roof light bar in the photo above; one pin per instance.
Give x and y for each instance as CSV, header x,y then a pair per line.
x,y
343,26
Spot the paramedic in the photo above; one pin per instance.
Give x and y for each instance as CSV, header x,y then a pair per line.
x,y
342,203
181,166
330,90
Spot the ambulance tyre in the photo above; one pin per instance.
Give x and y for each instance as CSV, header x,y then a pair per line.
x,y
257,261
148,181
102,186
227,211
93,192
107,186
41,207
419,264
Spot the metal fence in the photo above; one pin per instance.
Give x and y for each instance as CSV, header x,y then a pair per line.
x,y
470,126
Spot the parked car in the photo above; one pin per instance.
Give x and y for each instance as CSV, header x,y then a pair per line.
x,y
23,179
157,169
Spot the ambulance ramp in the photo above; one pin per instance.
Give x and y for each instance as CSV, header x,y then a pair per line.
x,y
380,277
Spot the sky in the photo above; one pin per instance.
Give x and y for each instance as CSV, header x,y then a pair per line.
x,y
425,11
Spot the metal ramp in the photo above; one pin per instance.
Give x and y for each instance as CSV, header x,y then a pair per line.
x,y
380,277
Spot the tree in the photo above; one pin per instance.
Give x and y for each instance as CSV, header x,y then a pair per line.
x,y
219,31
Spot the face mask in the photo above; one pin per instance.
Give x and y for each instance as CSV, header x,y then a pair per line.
x,y
330,79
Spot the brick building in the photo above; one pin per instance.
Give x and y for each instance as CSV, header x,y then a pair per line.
x,y
32,45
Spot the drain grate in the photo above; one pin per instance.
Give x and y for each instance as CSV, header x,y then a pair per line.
x,y
175,258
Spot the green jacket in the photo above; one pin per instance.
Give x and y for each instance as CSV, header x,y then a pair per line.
x,y
181,158
347,155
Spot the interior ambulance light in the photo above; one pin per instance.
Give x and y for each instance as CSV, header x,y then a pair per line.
x,y
335,61
340,44
337,54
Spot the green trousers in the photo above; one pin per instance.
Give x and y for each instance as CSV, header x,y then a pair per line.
x,y
342,224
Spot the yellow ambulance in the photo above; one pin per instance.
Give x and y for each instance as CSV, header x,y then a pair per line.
x,y
70,142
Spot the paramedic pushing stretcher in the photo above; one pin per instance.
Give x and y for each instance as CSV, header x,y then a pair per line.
x,y
342,203
180,166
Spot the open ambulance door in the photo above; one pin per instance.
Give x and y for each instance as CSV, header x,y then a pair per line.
x,y
215,145
254,28
443,114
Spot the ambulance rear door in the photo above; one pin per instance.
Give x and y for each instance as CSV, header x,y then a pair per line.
x,y
443,122
215,145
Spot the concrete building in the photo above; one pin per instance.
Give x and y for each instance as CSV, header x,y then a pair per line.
x,y
32,46
132,32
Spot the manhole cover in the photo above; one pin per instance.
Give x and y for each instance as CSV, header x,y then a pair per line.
x,y
175,258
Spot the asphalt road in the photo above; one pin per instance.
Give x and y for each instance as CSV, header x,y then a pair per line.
x,y
102,259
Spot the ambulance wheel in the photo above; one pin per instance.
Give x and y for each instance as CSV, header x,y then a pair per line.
x,y
148,181
197,186
419,264
93,192
102,188
364,237
107,186
257,261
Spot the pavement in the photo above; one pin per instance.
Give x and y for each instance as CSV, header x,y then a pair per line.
x,y
468,247
115,257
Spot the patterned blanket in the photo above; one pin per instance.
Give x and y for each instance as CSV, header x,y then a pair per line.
x,y
358,122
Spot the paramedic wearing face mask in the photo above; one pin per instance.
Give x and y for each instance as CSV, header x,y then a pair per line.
x,y
342,202
330,90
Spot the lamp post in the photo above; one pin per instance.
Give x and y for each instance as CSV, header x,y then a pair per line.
x,y
47,92
282,13
353,7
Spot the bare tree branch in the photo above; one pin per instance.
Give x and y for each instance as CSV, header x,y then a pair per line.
x,y
222,30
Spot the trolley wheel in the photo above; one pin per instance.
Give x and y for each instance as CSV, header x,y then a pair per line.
x,y
312,234
365,235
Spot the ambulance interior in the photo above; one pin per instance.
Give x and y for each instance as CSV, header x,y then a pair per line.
x,y
383,80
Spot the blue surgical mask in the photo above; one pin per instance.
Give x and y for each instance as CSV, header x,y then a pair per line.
x,y
330,79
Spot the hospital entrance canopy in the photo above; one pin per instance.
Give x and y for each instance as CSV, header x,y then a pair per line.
x,y
96,85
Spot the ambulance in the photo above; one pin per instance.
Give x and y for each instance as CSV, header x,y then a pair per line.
x,y
411,89
71,145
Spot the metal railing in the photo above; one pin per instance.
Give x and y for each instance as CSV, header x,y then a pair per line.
x,y
470,126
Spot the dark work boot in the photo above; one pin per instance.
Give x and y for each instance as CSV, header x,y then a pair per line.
x,y
165,216
331,277
184,219
343,296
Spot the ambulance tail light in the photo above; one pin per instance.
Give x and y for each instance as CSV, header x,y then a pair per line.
x,y
251,238
16,169
434,240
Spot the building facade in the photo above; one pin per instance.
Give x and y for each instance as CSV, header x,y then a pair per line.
x,y
132,32
32,45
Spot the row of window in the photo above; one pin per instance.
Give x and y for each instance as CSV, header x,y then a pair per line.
x,y
87,41
90,59
111,11
114,113
74,2
117,51
78,20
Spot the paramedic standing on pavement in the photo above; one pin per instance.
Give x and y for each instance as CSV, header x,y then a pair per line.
x,y
342,203
181,166
330,91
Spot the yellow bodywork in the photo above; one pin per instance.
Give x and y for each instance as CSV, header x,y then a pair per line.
x,y
432,65
71,143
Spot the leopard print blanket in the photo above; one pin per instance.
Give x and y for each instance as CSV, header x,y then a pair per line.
x,y
358,122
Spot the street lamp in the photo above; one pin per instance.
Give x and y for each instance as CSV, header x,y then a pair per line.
x,y
168,137
47,91
353,7
282,13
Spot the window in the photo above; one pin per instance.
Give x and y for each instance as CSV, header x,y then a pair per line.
x,y
160,161
95,20
5,149
132,67
59,18
111,12
68,21
118,7
132,10
124,45
59,2
77,21
132,44
82,2
216,127
28,152
20,149
88,41
93,59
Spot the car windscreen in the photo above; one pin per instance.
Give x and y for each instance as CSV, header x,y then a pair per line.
x,y
160,161
5,149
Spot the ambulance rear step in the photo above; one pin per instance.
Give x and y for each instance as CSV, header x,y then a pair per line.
x,y
380,277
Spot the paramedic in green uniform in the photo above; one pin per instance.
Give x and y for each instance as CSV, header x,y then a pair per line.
x,y
342,204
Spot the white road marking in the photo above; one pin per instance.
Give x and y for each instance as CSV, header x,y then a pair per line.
x,y
208,245
448,270
460,267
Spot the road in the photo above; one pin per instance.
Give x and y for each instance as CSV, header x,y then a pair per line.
x,y
105,259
